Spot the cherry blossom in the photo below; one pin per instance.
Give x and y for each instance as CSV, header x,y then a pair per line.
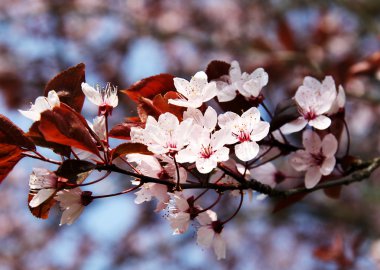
x,y
245,130
166,135
209,234
205,149
248,85
207,121
45,183
181,211
317,159
42,104
105,98
150,166
72,203
195,92
314,99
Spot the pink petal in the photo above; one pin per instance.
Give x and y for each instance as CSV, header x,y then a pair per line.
x,y
312,177
205,235
219,246
328,166
299,160
321,122
210,118
294,126
329,145
226,119
205,165
311,141
183,87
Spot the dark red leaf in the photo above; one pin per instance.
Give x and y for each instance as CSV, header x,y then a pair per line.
x,y
334,252
75,171
123,130
369,66
37,137
161,103
67,84
64,126
150,87
11,134
9,156
130,148
41,211
217,69
285,34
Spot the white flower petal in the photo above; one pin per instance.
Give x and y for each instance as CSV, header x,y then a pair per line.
x,y
294,126
205,165
226,119
246,151
183,87
321,122
210,119
219,247
259,131
41,197
205,235
329,145
93,95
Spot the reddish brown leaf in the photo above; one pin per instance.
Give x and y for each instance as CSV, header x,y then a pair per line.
x,y
11,134
161,103
67,84
123,130
41,211
217,69
150,87
369,66
36,136
64,126
75,171
9,156
285,34
130,148
334,252
285,203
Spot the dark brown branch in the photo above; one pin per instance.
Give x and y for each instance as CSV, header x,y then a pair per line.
x,y
361,173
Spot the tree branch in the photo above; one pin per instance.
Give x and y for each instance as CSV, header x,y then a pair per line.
x,y
362,172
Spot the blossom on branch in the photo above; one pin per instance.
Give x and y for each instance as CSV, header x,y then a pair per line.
x,y
105,98
150,166
210,234
195,92
245,130
45,183
206,149
248,85
314,99
72,203
165,136
40,105
317,159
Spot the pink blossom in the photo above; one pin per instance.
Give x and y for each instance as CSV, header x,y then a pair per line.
x,y
245,130
42,104
195,92
210,234
44,182
166,135
105,98
72,203
314,99
317,159
248,85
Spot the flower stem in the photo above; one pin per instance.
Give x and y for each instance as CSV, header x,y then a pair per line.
x,y
118,193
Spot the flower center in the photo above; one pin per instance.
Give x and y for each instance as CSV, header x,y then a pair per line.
x,y
207,152
318,159
243,136
310,115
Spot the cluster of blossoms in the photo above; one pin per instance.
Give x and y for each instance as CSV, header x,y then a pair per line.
x,y
187,141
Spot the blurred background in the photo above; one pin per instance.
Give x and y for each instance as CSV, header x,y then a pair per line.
x,y
124,41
